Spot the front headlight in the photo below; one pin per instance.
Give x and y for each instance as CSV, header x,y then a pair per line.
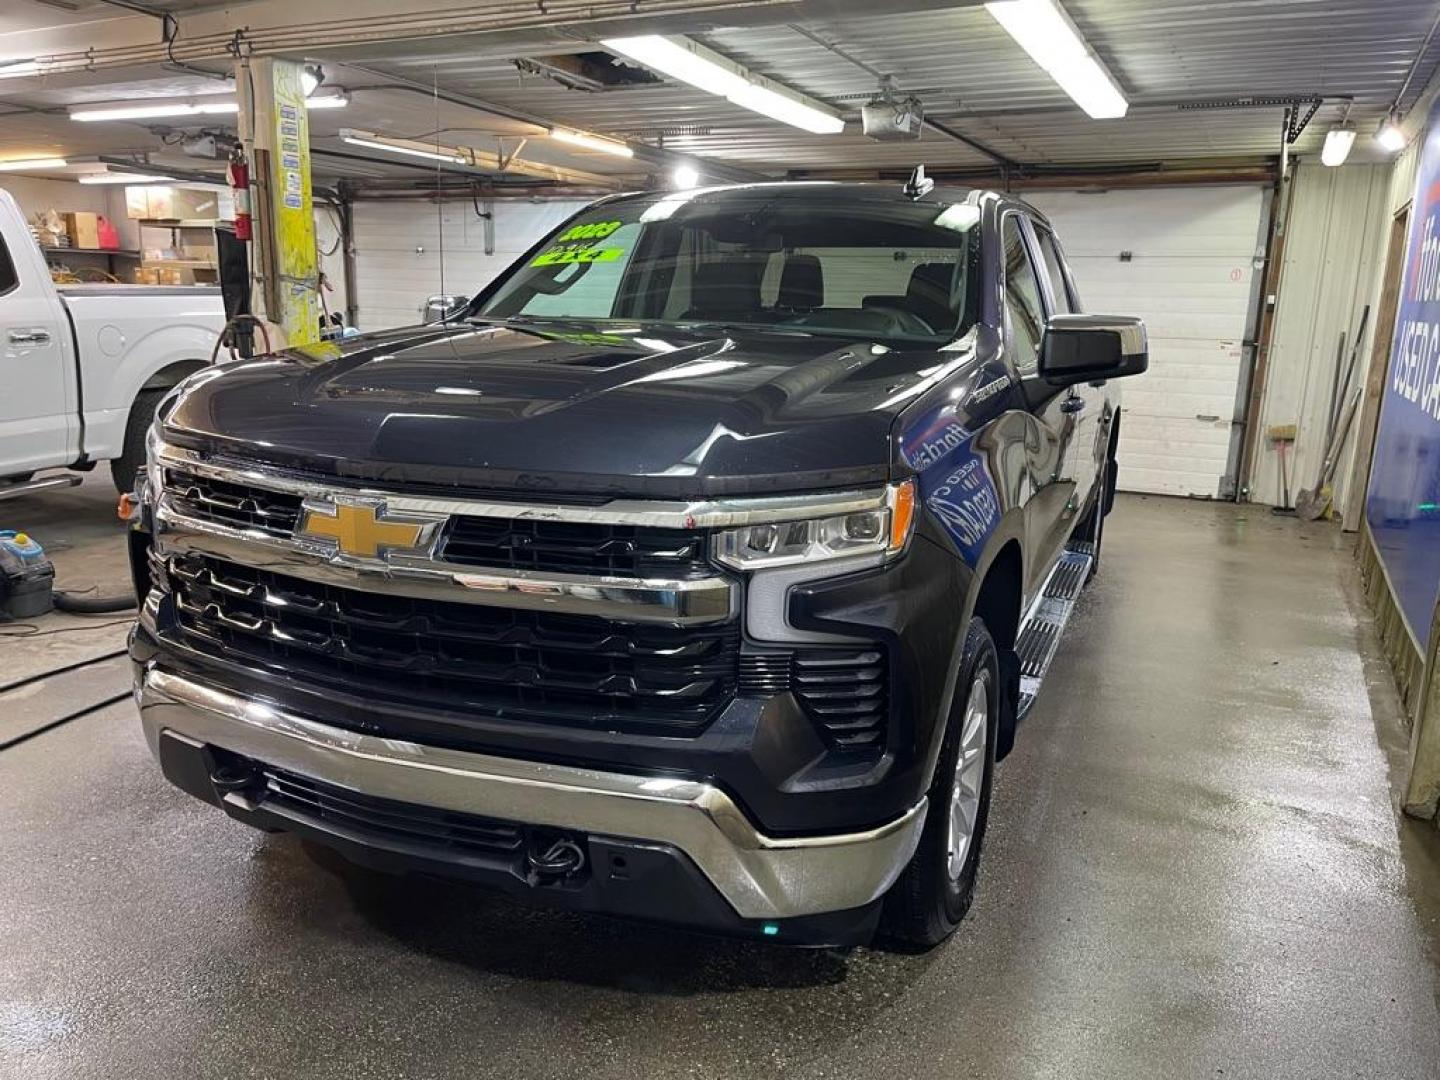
x,y
883,530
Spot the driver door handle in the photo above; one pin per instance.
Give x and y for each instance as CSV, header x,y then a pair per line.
x,y
1072,405
29,337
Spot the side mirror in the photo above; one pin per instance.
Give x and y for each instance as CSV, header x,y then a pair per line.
x,y
1092,348
440,307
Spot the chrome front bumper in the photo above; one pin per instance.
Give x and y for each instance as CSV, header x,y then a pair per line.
x,y
760,876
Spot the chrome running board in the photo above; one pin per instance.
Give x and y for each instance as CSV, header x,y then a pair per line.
x,y
1039,637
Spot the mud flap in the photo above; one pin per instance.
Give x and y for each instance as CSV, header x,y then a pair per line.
x,y
1009,661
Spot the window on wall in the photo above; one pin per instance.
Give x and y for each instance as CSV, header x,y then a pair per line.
x,y
1026,313
1064,302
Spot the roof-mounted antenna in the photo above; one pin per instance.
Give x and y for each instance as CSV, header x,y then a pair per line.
x,y
919,185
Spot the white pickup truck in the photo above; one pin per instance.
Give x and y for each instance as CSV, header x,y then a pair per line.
x,y
82,367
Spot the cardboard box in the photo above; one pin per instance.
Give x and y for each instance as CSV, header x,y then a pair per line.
x,y
84,230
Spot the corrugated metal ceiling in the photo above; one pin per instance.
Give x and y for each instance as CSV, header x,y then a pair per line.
x,y
969,73
972,75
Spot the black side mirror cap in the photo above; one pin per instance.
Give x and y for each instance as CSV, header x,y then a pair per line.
x,y
1093,348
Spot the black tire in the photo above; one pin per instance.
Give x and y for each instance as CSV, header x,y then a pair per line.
x,y
132,454
925,905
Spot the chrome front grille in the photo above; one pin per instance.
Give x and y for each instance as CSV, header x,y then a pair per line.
x,y
237,505
531,665
574,547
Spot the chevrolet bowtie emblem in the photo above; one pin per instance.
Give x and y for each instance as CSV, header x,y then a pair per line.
x,y
362,530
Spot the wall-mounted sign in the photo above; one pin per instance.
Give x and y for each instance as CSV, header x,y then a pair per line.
x,y
1403,503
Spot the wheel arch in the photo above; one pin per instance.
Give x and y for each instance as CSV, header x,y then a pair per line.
x,y
997,587
170,375
999,596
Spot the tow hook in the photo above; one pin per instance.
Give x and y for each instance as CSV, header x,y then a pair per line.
x,y
554,857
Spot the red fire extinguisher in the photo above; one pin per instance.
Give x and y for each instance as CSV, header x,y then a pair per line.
x,y
240,182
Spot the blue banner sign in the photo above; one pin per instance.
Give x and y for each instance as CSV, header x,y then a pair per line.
x,y
1403,503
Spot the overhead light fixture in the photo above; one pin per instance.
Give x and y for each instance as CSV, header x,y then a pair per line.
x,y
681,59
1338,141
785,105
155,111
690,62
14,69
121,178
402,146
1043,30
685,176
160,110
29,164
591,142
311,76
327,101
1390,136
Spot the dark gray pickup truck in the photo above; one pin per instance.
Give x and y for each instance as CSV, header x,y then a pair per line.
x,y
699,570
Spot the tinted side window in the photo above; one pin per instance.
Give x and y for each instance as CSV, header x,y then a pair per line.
x,y
8,278
1064,303
1022,298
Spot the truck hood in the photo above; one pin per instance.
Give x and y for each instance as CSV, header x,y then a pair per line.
x,y
566,409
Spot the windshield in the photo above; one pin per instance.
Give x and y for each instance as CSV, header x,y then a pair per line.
x,y
902,272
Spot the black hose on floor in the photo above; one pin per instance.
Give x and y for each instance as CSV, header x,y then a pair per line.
x,y
77,604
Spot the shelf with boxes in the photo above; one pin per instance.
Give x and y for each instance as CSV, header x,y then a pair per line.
x,y
177,232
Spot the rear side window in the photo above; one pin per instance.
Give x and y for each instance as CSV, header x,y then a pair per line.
x,y
1026,314
8,278
1059,288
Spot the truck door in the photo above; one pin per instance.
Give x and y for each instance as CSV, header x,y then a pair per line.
x,y
1049,512
1088,400
35,368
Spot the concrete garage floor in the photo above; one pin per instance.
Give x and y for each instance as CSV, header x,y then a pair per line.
x,y
1194,869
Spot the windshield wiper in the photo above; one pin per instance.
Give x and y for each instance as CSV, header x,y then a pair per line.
x,y
742,327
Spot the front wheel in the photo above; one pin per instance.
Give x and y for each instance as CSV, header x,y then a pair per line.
x,y
132,454
935,890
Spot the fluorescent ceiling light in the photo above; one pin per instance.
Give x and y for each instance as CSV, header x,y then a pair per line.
x,y
1390,137
139,111
591,142
1044,31
121,178
683,60
788,107
14,69
1338,142
685,176
399,146
690,62
27,164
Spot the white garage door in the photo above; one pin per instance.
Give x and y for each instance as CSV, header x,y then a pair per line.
x,y
398,245
1192,255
